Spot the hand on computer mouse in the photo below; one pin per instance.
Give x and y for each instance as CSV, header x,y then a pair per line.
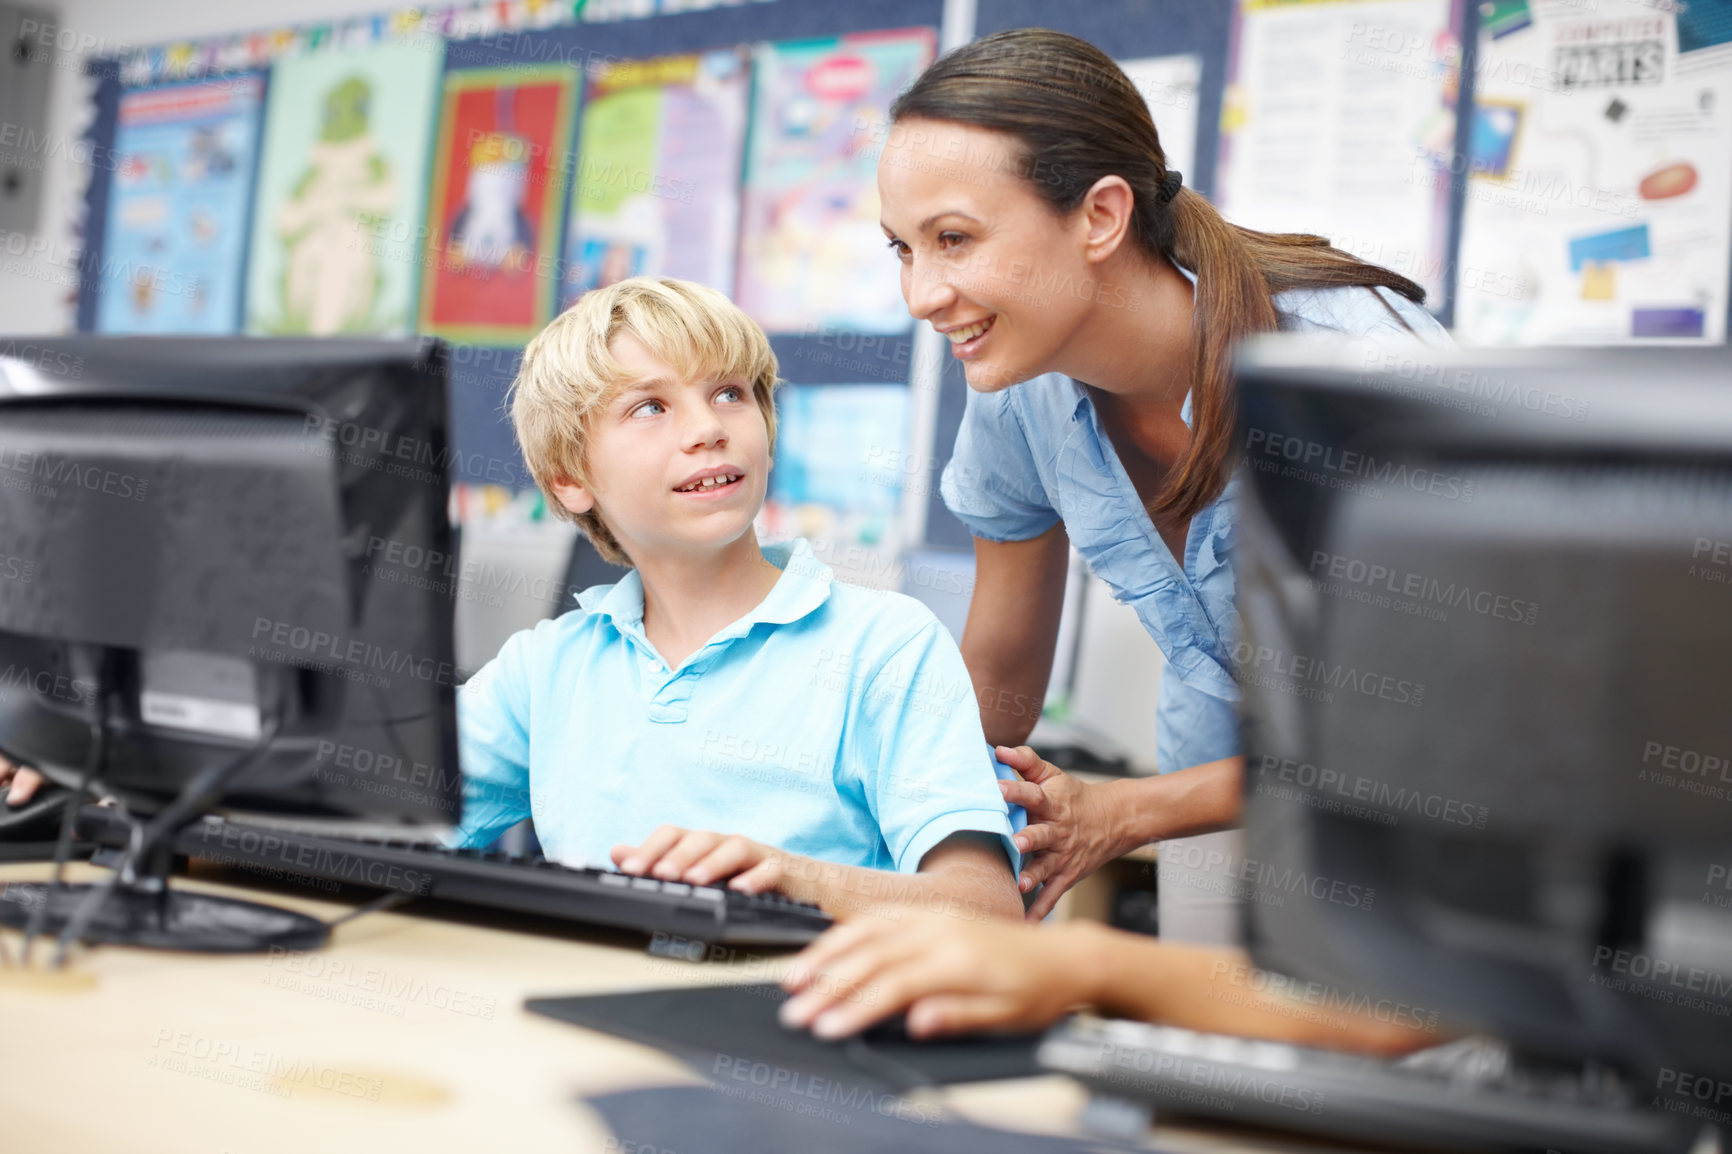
x,y
956,976
950,975
25,781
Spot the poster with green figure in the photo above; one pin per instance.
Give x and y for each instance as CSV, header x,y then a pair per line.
x,y
342,188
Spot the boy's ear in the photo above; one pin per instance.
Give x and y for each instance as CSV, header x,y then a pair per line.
x,y
574,497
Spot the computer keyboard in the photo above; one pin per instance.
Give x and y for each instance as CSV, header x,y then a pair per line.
x,y
1465,1095
678,916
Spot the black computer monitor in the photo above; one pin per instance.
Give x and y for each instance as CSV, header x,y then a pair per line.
x,y
1487,670
223,571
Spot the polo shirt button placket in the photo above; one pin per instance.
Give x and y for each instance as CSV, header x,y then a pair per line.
x,y
668,703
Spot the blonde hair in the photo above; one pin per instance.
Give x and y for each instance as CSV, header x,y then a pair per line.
x,y
569,371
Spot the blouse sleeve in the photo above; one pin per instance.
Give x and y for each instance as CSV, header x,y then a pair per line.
x,y
991,482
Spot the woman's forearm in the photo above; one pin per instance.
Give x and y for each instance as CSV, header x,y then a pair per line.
x,y
1012,627
1201,799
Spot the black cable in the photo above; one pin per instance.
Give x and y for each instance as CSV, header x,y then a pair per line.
x,y
198,795
63,843
378,905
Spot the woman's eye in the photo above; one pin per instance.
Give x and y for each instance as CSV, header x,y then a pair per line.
x,y
950,239
900,249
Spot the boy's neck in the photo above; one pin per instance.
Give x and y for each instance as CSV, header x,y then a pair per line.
x,y
689,598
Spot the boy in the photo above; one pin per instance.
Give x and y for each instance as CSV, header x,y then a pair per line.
x,y
830,730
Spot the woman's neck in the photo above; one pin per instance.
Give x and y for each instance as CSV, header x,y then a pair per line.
x,y
1137,358
1137,361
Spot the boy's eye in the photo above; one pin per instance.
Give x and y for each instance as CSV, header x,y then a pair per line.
x,y
731,393
645,409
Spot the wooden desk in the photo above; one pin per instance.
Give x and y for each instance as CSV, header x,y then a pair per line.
x,y
406,1032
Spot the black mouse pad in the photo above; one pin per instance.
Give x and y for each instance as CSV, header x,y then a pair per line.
x,y
730,1034
713,1121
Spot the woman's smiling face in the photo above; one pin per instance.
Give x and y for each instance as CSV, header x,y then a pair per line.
x,y
984,259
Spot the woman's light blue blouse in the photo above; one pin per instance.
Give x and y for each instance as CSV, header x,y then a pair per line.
x,y
1031,455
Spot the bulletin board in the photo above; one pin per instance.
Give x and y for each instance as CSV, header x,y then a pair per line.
x,y
1178,52
819,357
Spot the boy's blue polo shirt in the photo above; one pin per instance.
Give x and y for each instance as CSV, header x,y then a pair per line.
x,y
832,721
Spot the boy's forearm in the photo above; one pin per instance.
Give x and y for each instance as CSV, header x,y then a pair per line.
x,y
1215,990
956,889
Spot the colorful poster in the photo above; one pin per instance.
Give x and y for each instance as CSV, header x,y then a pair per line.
x,y
341,190
837,454
658,173
1335,115
812,254
498,185
1599,181
177,209
836,476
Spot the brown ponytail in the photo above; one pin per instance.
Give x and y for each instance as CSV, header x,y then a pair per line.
x,y
1079,118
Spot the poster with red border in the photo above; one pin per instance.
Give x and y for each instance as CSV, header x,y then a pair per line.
x,y
491,268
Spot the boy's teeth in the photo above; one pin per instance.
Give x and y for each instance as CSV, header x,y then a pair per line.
x,y
711,483
957,336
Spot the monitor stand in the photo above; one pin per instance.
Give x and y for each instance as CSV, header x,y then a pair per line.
x,y
144,911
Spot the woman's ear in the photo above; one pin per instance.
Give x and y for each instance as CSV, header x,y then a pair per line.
x,y
573,497
1106,210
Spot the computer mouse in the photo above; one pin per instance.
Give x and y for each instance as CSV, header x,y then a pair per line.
x,y
891,1029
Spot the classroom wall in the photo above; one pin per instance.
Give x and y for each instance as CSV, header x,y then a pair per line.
x,y
1115,690
39,291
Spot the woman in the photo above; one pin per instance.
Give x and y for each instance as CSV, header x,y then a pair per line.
x,y
1094,303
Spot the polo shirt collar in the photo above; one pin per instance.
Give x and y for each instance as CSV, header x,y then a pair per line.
x,y
803,586
622,601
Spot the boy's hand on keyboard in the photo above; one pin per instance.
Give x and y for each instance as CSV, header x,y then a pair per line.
x,y
703,858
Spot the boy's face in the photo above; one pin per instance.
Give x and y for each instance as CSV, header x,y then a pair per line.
x,y
652,449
